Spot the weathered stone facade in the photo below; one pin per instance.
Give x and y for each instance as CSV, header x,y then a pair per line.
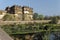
x,y
24,13
15,9
28,13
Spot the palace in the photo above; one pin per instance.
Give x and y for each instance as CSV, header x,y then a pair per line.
x,y
23,13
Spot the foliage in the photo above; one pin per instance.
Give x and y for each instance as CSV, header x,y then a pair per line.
x,y
35,16
28,27
40,17
42,29
10,17
54,20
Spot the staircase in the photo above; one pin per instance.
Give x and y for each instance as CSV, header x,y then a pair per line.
x,y
4,35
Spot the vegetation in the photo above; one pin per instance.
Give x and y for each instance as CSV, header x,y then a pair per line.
x,y
10,17
43,29
21,28
36,16
54,20
32,27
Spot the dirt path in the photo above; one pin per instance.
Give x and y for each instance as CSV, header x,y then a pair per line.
x,y
4,35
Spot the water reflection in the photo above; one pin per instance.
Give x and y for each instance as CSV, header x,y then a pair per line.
x,y
55,36
38,36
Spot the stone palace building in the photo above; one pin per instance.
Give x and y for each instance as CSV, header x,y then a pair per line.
x,y
24,13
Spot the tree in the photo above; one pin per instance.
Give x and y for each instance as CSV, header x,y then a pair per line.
x,y
46,18
54,20
40,17
35,16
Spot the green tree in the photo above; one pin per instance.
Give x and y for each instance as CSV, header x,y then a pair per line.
x,y
40,17
54,20
35,16
47,18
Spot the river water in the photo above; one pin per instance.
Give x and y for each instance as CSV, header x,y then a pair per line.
x,y
54,36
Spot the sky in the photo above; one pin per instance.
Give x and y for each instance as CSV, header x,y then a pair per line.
x,y
45,7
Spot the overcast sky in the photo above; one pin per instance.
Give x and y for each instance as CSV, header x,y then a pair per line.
x,y
45,7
